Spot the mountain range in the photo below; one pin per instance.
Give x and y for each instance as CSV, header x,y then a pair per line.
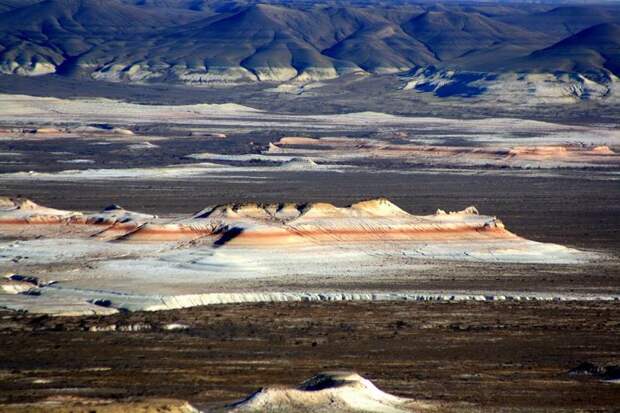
x,y
215,41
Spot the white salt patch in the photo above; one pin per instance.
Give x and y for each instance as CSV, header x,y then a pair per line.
x,y
75,161
175,327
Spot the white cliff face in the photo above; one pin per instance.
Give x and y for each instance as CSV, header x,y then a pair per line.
x,y
196,300
65,301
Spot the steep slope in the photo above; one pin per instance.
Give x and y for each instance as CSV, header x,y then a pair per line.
x,y
563,21
452,34
38,38
595,49
259,42
378,45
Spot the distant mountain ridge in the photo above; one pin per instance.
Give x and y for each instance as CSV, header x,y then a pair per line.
x,y
594,49
202,41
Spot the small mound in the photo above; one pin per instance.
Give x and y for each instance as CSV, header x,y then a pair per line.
x,y
301,164
142,146
273,149
23,210
470,210
7,203
603,150
122,131
22,284
378,207
44,131
115,214
321,210
328,392
333,379
539,151
23,204
252,210
297,140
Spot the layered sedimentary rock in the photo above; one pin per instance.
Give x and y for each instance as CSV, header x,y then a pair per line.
x,y
98,262
267,225
21,216
548,155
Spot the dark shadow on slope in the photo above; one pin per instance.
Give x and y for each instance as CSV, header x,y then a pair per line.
x,y
460,89
228,235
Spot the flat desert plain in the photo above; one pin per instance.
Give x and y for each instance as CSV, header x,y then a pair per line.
x,y
183,257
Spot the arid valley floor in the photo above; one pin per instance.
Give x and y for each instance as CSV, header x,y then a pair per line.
x,y
461,357
460,264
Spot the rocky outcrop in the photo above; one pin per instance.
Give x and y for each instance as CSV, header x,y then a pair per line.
x,y
515,87
118,259
337,391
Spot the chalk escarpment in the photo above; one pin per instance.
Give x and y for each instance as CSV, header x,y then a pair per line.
x,y
118,259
